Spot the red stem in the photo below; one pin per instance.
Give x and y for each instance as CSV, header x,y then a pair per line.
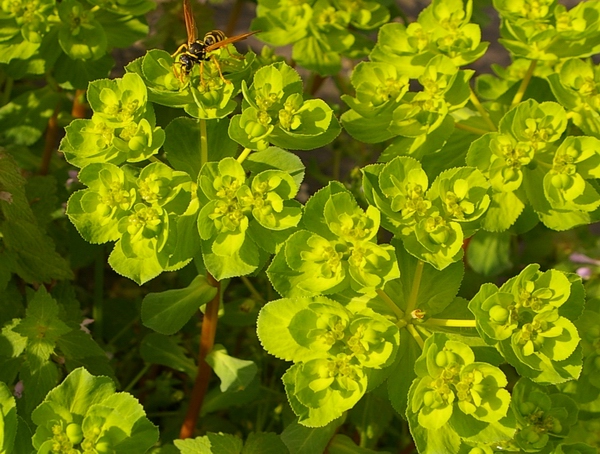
x,y
207,340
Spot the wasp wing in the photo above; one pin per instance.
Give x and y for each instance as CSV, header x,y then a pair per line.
x,y
226,41
190,23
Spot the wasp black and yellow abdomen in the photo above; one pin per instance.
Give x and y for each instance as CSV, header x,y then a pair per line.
x,y
213,37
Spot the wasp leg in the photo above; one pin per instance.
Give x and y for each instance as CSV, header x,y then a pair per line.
x,y
181,49
238,57
215,61
202,72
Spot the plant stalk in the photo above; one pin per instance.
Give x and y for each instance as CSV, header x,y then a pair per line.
x,y
207,340
414,291
242,157
475,100
203,143
454,323
524,83
472,129
385,297
50,140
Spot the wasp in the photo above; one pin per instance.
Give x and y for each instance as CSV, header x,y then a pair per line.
x,y
198,50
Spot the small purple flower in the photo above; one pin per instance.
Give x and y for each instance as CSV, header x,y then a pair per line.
x,y
584,272
576,257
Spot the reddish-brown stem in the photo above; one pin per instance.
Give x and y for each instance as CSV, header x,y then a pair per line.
x,y
78,110
233,17
50,141
207,340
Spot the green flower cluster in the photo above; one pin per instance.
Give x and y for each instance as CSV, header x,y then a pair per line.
x,y
319,29
432,221
337,250
526,164
443,28
334,351
545,30
384,108
84,415
454,390
576,88
141,210
274,111
203,94
543,419
122,128
528,319
239,213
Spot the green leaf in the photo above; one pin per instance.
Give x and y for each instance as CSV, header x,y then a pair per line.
x,y
28,249
341,444
403,372
300,439
235,374
437,289
42,326
211,443
182,146
489,253
265,443
168,311
80,35
25,118
160,349
8,420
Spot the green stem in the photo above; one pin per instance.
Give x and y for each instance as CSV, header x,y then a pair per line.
x,y
472,129
257,296
384,296
203,143
475,100
454,323
137,377
8,85
524,83
414,291
415,334
241,158
125,329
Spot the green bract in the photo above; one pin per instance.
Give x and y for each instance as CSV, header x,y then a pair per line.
x,y
236,212
144,213
525,322
337,251
84,413
333,350
454,393
275,112
383,109
442,28
525,166
543,418
432,223
318,29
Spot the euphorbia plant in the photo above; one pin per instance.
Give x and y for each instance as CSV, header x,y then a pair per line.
x,y
400,297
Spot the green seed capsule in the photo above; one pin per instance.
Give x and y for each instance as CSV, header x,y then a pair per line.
x,y
499,314
74,433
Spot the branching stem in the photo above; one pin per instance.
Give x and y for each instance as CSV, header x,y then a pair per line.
x,y
242,157
384,296
482,111
414,291
415,334
524,83
454,323
472,129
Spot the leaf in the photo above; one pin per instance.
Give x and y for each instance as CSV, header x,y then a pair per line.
x,y
305,440
264,443
400,380
489,253
8,420
183,148
38,379
437,289
235,374
168,311
28,249
160,349
80,349
25,118
210,443
341,444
